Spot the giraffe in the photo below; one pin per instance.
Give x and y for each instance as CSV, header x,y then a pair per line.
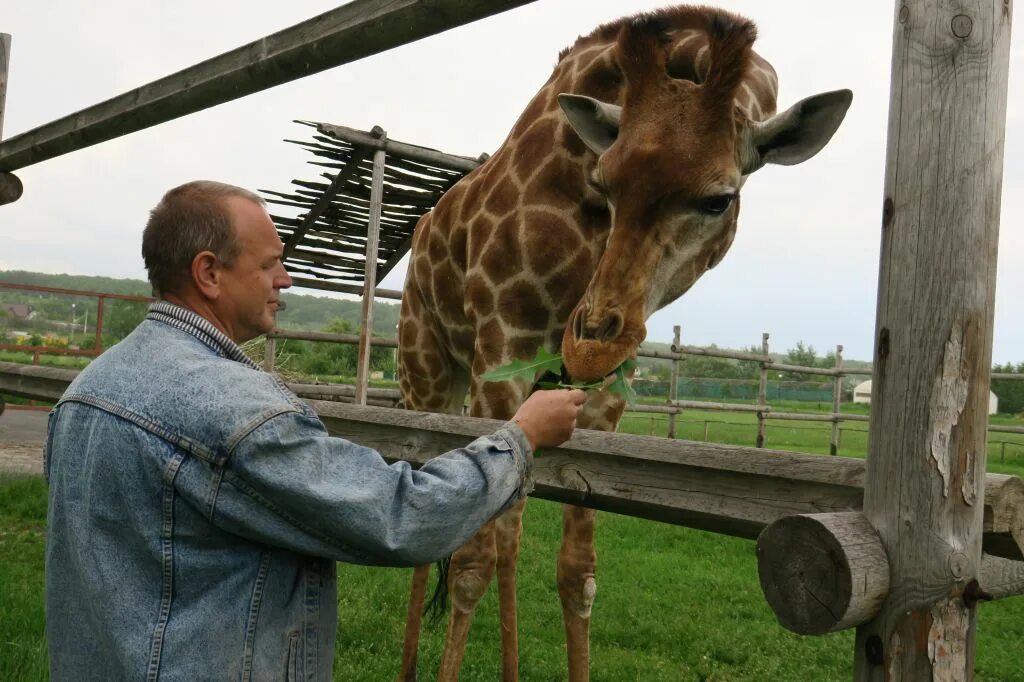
x,y
616,189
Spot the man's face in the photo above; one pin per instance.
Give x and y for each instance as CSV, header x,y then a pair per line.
x,y
251,286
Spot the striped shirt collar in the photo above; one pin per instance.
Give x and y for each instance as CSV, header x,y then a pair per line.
x,y
199,327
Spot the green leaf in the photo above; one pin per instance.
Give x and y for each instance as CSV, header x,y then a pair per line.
x,y
518,369
621,387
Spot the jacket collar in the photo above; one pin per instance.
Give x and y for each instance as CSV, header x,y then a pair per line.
x,y
192,323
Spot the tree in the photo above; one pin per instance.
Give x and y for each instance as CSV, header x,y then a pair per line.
x,y
1009,391
802,355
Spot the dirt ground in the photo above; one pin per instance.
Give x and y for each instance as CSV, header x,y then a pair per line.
x,y
22,437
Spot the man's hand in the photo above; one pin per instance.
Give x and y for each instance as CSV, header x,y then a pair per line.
x,y
549,417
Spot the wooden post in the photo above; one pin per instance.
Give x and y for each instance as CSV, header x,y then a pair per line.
x,y
837,398
673,389
925,482
762,392
370,278
5,60
269,350
10,186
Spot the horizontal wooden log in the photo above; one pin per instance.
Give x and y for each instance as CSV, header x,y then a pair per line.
x,y
720,488
350,32
1001,578
822,572
307,283
328,336
11,188
379,397
1003,522
430,157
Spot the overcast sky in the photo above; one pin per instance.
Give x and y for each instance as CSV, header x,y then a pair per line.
x,y
804,265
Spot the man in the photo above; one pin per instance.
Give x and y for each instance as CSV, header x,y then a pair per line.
x,y
197,507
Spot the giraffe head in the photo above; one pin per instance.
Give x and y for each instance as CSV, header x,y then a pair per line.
x,y
672,155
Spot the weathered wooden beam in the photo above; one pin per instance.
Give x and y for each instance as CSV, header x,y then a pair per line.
x,y
721,488
321,205
329,337
828,572
933,334
430,157
308,283
10,186
350,32
370,274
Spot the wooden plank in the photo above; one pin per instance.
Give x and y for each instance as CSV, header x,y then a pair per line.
x,y
329,337
673,389
431,157
350,32
722,488
318,208
762,393
370,277
344,288
837,398
5,61
933,334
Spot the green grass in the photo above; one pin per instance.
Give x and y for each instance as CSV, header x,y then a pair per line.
x,y
1005,450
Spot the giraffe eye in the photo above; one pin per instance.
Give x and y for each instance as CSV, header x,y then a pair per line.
x,y
716,205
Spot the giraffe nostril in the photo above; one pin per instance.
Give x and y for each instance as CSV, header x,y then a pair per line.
x,y
577,325
610,328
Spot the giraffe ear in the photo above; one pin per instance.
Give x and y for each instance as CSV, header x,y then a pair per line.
x,y
596,122
796,134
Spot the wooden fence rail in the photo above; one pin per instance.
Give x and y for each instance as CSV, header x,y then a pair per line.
x,y
726,489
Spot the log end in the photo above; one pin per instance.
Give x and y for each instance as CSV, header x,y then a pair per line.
x,y
822,572
10,188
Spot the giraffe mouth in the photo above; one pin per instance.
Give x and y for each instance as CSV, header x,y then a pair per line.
x,y
592,350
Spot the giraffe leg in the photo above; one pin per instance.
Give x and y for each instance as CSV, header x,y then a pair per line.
x,y
508,531
577,563
469,574
413,623
430,380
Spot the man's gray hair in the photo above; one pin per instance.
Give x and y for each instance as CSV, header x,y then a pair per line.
x,y
190,219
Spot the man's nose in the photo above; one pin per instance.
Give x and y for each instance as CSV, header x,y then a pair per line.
x,y
284,280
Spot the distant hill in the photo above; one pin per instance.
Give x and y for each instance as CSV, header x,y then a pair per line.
x,y
304,311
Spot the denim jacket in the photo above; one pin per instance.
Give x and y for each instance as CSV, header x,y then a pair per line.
x,y
197,507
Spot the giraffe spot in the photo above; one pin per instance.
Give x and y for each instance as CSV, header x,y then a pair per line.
x,y
533,148
549,241
479,234
408,333
446,291
479,295
524,347
435,402
537,107
490,347
503,197
521,306
437,248
421,269
471,200
600,80
557,183
463,341
502,258
457,244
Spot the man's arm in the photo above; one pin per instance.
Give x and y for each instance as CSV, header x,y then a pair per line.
x,y
290,484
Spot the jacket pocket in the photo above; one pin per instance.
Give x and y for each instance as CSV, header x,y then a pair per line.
x,y
294,668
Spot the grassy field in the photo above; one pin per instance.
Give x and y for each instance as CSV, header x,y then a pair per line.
x,y
673,603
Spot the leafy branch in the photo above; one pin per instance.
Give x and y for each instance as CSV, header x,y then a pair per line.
x,y
544,361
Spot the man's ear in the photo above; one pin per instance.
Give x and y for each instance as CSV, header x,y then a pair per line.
x,y
206,274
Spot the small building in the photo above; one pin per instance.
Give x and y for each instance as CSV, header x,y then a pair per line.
x,y
18,311
862,394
